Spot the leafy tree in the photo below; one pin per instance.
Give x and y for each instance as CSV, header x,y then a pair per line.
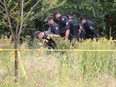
x,y
14,17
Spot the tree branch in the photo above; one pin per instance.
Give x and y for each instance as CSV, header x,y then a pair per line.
x,y
8,19
21,16
2,8
1,2
33,7
2,13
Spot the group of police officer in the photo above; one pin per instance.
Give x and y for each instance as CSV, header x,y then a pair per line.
x,y
69,28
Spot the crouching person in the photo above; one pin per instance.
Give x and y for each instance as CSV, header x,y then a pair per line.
x,y
46,37
81,32
71,27
89,28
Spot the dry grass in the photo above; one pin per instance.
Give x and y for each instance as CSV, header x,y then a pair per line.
x,y
62,69
5,43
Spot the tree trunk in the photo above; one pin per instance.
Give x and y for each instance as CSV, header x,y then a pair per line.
x,y
110,33
16,62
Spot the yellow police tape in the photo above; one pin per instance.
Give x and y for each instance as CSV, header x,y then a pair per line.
x,y
22,66
68,50
12,56
59,50
113,40
77,50
13,59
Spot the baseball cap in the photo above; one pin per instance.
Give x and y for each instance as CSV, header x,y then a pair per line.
x,y
36,34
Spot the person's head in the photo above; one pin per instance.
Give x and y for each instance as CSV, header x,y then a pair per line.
x,y
71,14
49,20
39,35
83,20
56,15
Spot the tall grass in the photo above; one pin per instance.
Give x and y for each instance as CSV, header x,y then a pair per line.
x,y
63,69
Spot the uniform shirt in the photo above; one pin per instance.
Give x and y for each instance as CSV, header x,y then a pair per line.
x,y
54,28
51,43
72,25
83,33
89,25
47,33
80,26
62,21
62,25
89,28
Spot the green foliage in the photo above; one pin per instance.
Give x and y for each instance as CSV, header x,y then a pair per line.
x,y
99,11
92,9
63,69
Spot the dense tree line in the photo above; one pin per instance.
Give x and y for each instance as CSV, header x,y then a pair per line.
x,y
101,12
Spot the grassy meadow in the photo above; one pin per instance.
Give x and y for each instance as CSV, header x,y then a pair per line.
x,y
39,67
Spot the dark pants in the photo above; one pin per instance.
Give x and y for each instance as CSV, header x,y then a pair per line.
x,y
62,31
51,43
82,35
91,34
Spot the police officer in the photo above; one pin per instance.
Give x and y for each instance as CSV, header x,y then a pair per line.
x,y
53,27
81,31
45,39
61,20
89,28
71,27
42,36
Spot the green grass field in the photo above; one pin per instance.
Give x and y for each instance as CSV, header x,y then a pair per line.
x,y
41,68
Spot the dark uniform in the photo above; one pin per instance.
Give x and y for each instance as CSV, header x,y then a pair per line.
x,y
54,28
83,33
62,25
90,30
51,43
72,25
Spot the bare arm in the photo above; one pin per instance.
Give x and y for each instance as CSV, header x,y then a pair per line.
x,y
67,35
79,32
